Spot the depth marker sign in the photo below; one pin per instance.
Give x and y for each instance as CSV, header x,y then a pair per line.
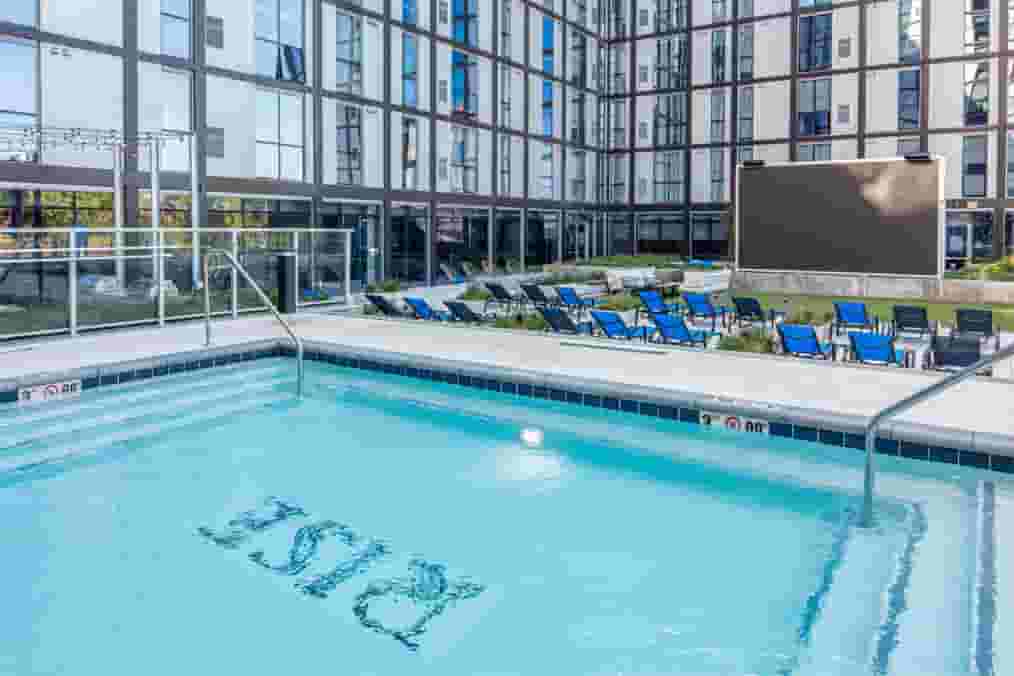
x,y
734,422
37,394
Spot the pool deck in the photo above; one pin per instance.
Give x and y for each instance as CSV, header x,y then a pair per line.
x,y
978,414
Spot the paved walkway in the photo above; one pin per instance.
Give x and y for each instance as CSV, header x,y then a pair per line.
x,y
982,405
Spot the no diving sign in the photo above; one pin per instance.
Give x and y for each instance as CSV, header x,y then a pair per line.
x,y
37,394
734,422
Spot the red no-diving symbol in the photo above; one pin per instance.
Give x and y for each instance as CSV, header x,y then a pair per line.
x,y
732,422
52,389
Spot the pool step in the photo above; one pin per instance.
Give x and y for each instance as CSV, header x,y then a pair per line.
x,y
161,403
55,455
136,391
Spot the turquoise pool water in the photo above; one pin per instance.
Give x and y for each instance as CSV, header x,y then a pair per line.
x,y
210,524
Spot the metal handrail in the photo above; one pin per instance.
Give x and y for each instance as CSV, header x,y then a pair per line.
x,y
905,404
208,254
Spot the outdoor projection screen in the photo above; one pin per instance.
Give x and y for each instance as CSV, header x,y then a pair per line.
x,y
864,217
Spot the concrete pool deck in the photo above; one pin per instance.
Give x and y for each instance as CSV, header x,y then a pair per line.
x,y
978,414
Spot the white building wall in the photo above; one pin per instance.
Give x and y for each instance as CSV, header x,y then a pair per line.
x,y
87,19
844,92
949,146
771,153
645,116
644,177
230,103
443,150
645,55
843,149
373,59
771,118
238,24
946,93
517,167
845,27
882,32
765,7
772,47
443,103
485,162
372,146
882,100
164,102
947,28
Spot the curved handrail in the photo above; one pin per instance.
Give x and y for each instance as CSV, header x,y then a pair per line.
x,y
905,404
208,254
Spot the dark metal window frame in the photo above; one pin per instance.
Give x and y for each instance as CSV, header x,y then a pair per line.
x,y
976,169
464,101
465,158
817,121
465,22
668,176
909,99
409,153
354,63
349,144
671,62
816,32
281,47
407,74
670,120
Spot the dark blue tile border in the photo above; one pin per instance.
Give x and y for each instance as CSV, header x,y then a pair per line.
x,y
829,437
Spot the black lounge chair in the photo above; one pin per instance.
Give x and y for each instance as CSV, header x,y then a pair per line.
x,y
912,319
386,307
750,310
461,312
537,296
561,322
975,323
503,298
953,353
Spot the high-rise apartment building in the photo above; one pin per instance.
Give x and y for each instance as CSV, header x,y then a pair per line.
x,y
515,131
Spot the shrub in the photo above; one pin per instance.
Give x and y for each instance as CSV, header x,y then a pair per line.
x,y
475,293
620,302
522,323
807,316
754,340
386,286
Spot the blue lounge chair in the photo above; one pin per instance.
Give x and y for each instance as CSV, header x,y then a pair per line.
x,y
561,322
422,310
876,348
654,305
386,307
612,324
460,312
699,306
852,315
800,340
674,330
750,310
571,301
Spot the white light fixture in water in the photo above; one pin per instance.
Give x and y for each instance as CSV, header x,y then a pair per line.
x,y
531,437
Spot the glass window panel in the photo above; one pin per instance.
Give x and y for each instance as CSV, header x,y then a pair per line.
x,y
292,163
266,57
291,119
175,37
17,76
290,20
267,160
176,112
267,116
180,8
18,11
266,23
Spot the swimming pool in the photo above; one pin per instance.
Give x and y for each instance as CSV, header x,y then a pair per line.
x,y
209,522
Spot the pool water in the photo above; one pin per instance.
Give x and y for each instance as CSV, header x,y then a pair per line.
x,y
211,523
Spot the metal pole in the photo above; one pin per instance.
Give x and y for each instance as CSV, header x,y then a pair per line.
x,y
348,268
72,291
121,271
195,210
235,275
207,303
156,224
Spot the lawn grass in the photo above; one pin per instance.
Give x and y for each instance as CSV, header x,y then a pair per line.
x,y
821,306
993,271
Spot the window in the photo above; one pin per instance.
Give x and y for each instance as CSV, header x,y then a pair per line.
x,y
409,70
976,94
973,166
464,159
909,146
578,183
810,4
671,63
175,28
716,130
279,135
546,170
349,53
671,15
17,82
976,26
718,10
815,107
465,84
466,22
669,176
744,112
19,11
618,56
214,32
410,12
409,153
814,42
744,153
505,27
746,52
619,120
717,175
618,18
548,38
909,31
671,120
505,95
814,152
579,12
505,164
576,116
278,33
908,99
718,56
547,107
617,178
745,9
578,59
350,145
